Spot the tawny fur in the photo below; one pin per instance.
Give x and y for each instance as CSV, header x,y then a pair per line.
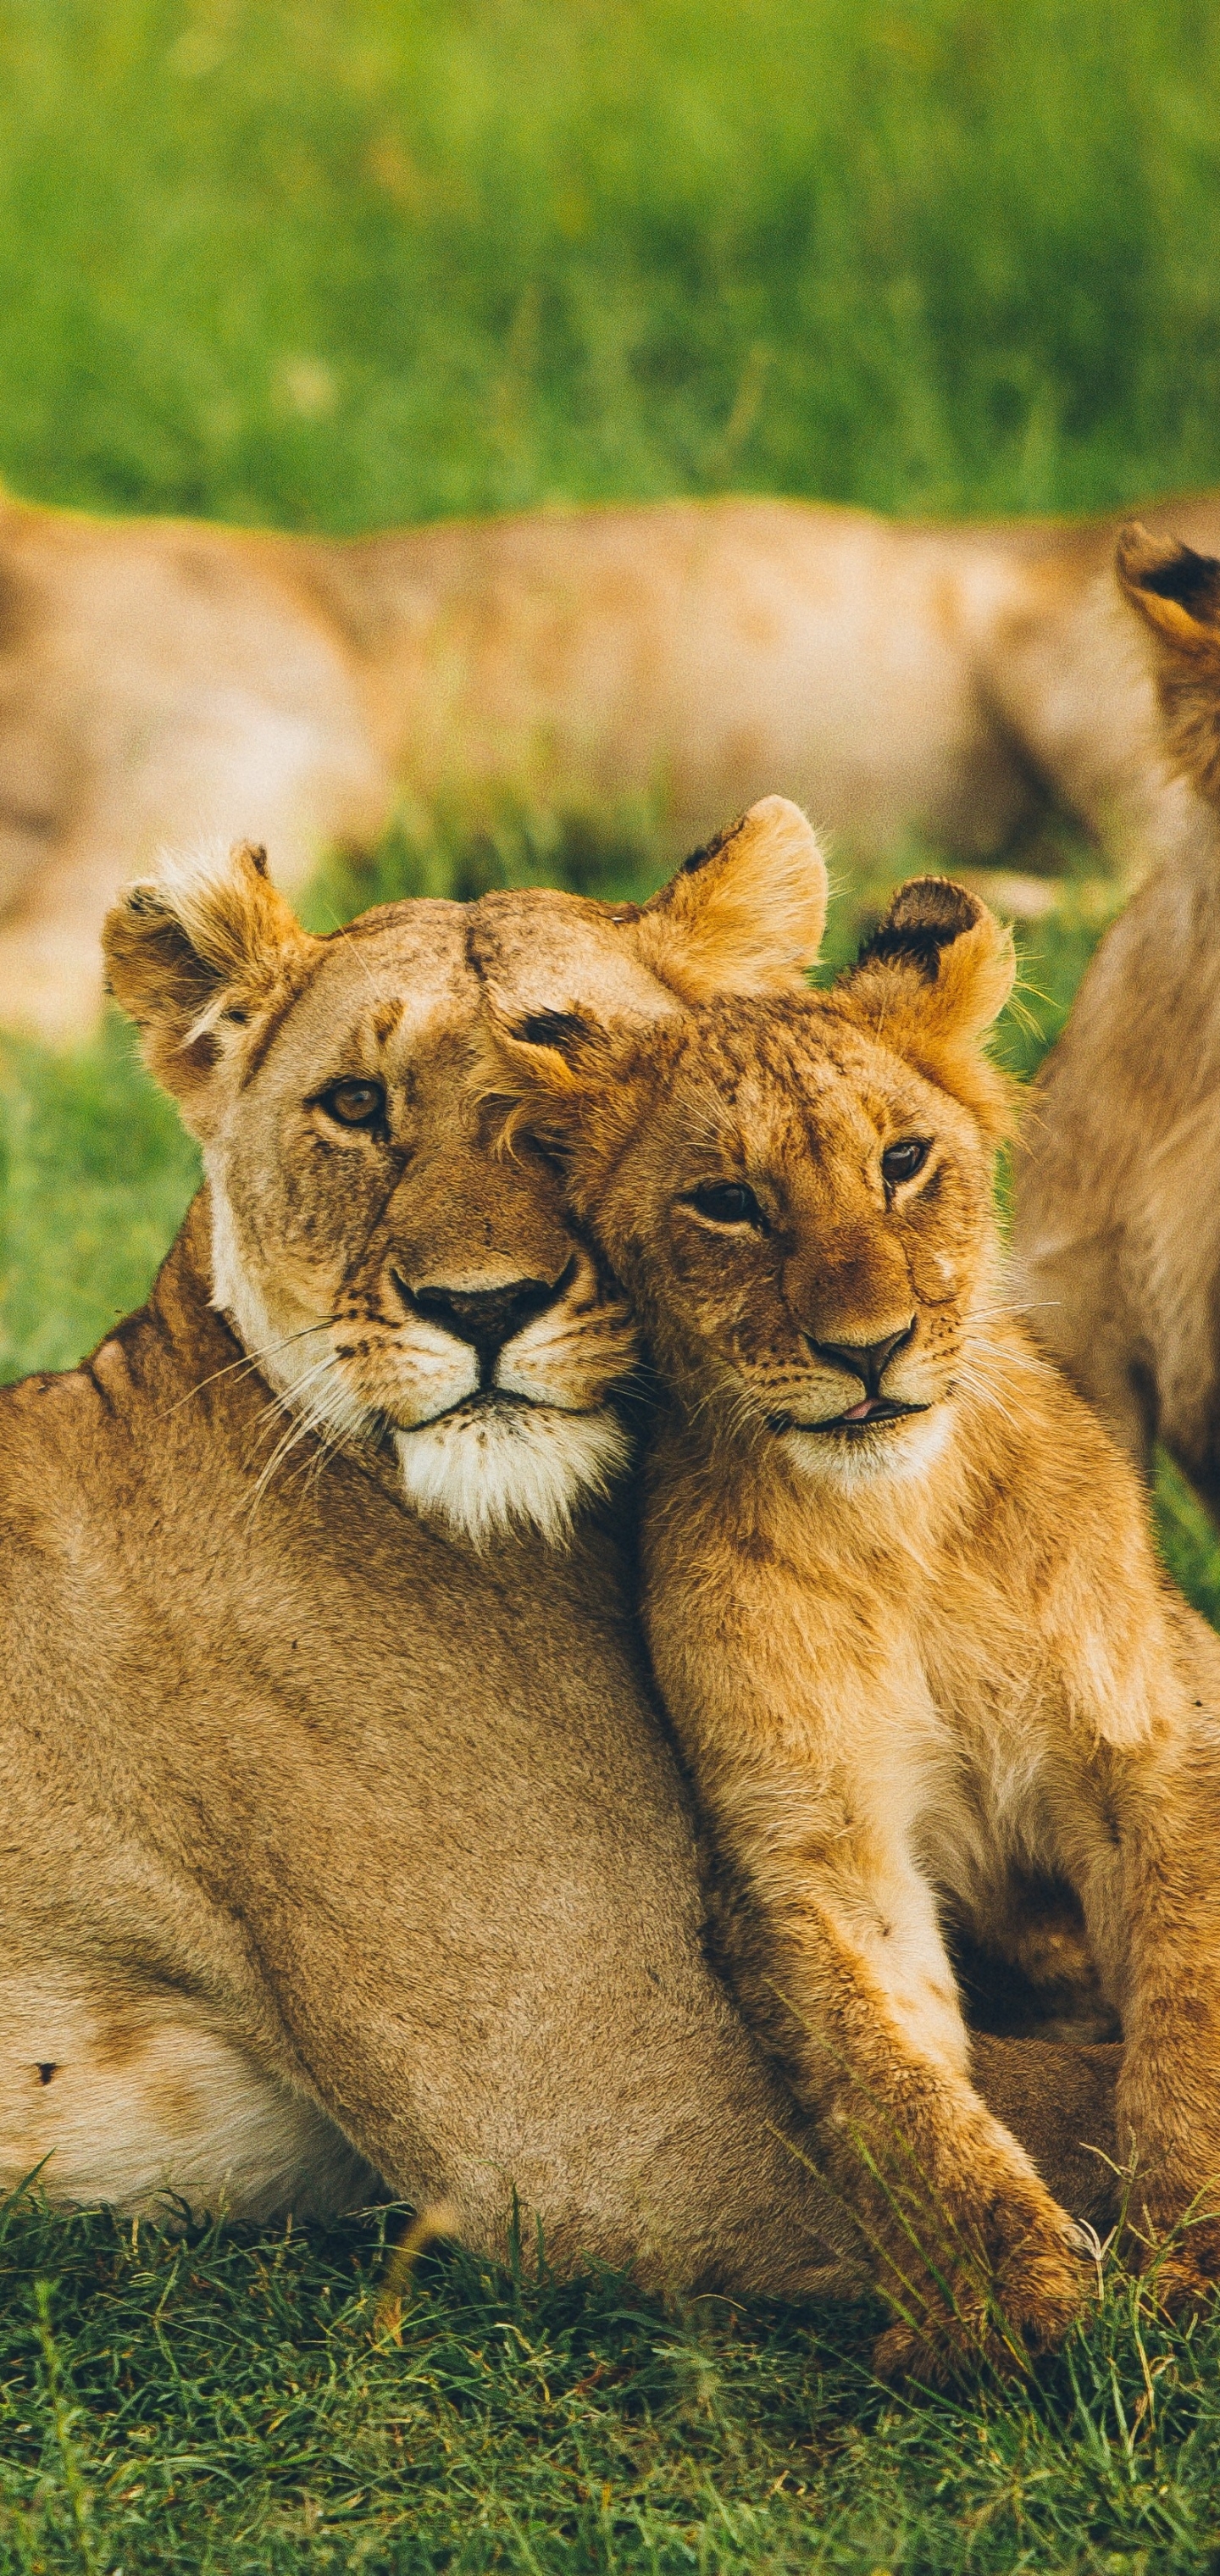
x,y
1117,1214
905,1610
167,684
339,1853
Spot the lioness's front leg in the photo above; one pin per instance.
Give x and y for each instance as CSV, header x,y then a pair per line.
x,y
830,1935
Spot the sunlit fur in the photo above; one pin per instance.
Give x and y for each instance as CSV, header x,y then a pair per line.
x,y
336,1247
323,1234
917,1663
552,1441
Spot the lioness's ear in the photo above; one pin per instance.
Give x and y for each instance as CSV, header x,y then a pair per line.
x,y
744,915
1177,594
199,956
936,972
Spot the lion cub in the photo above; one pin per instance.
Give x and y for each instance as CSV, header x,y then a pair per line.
x,y
902,1599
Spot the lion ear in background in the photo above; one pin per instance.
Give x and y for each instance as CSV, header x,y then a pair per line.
x,y
198,956
1176,592
930,981
744,915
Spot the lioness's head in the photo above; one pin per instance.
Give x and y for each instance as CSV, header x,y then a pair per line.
x,y
796,1192
393,1278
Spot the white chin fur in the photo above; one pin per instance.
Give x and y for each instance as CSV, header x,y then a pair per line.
x,y
482,1473
903,1451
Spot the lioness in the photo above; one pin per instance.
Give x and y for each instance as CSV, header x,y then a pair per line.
x,y
162,683
901,1596
341,1845
1117,1222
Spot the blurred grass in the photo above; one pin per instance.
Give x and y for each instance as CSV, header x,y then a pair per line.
x,y
277,260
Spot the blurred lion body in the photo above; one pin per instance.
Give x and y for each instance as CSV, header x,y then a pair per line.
x,y
163,683
1117,1214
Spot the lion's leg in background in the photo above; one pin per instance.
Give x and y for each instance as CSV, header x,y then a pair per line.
x,y
1058,2099
1116,1234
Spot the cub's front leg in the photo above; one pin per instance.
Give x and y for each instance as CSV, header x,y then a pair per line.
x,y
830,1937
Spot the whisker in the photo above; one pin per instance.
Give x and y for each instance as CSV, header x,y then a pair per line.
x,y
298,1429
290,1401
248,1360
1031,1306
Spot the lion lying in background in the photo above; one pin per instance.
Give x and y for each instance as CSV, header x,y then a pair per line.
x,y
902,1599
169,684
1117,1223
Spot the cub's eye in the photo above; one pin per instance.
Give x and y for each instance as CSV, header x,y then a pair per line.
x,y
901,1162
727,1203
353,1104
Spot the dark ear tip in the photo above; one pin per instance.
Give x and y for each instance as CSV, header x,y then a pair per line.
x,y
558,1030
709,850
1169,571
252,854
142,900
924,916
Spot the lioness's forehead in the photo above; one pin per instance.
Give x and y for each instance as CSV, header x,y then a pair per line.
x,y
395,979
411,973
790,1047
540,949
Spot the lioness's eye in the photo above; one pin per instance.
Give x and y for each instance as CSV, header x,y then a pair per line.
x,y
901,1162
353,1104
727,1203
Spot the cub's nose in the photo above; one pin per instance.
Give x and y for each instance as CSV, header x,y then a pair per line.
x,y
487,1318
866,1360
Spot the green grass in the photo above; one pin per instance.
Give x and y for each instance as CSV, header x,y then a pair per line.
x,y
234,2404
328,266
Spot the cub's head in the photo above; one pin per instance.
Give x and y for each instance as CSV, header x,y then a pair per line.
x,y
796,1192
395,1279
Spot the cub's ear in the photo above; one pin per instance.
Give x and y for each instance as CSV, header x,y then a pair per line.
x,y
744,915
936,972
568,1081
199,956
1177,594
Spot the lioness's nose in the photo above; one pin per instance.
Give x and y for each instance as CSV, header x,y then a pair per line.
x,y
866,1360
487,1318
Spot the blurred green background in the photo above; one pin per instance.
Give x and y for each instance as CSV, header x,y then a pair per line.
x,y
335,266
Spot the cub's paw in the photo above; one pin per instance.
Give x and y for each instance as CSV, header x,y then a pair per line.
x,y
998,2316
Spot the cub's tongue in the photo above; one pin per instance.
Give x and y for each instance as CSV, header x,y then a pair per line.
x,y
859,1412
